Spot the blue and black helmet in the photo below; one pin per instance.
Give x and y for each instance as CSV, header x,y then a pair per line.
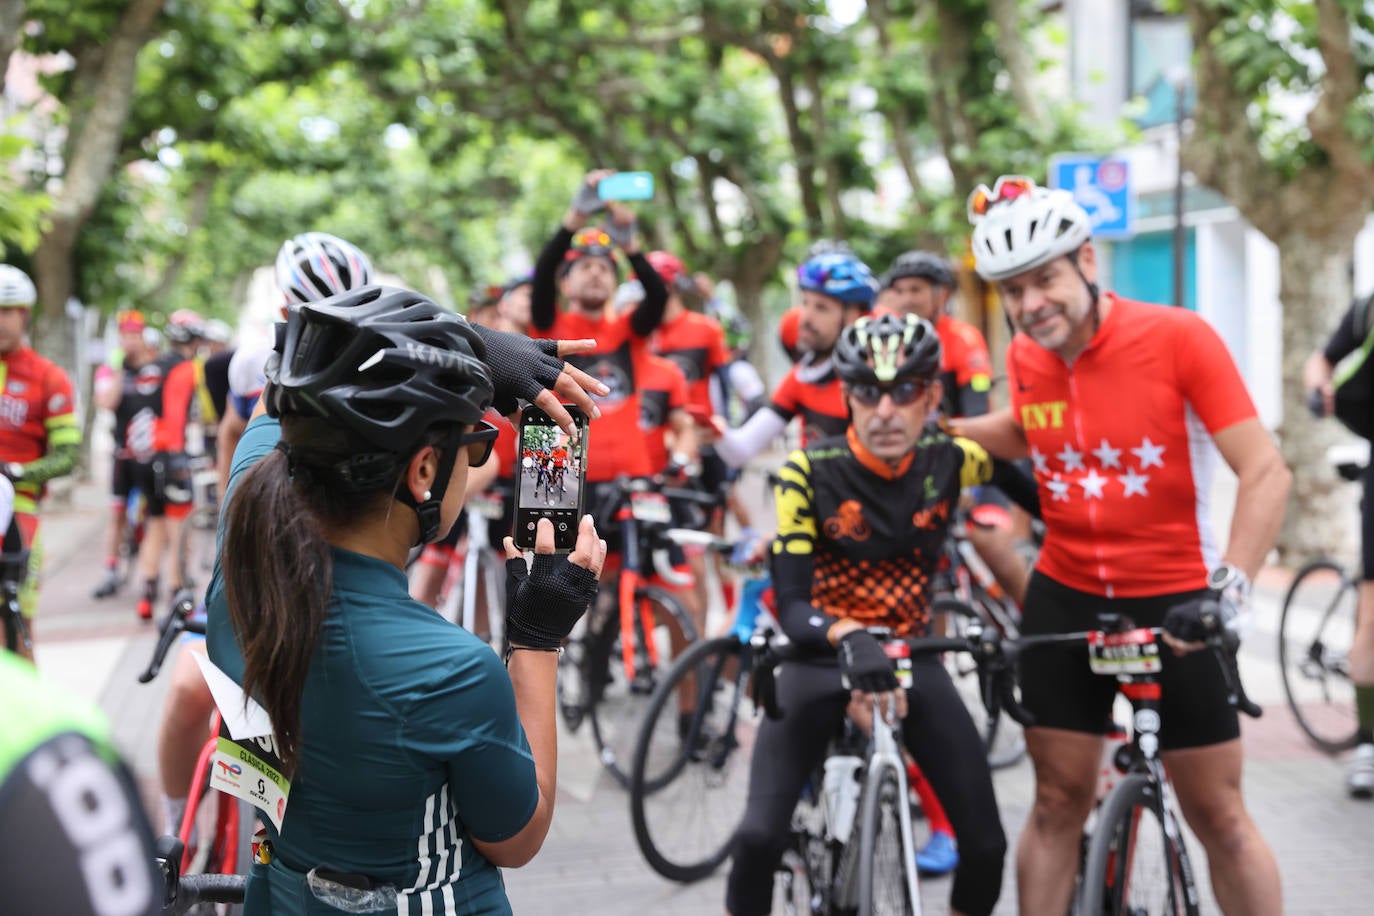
x,y
841,276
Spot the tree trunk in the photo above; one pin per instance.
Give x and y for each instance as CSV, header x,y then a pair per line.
x,y
802,152
1314,277
1015,52
11,18
91,157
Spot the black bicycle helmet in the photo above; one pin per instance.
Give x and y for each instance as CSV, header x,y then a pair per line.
x,y
886,349
921,264
387,364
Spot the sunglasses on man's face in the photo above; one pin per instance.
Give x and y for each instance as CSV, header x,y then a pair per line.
x,y
902,393
479,443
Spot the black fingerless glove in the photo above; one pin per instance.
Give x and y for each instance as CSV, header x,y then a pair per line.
x,y
544,603
863,663
520,367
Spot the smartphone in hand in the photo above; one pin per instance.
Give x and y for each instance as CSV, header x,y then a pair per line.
x,y
551,476
626,186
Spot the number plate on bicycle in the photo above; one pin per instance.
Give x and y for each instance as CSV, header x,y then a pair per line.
x,y
900,652
489,505
1132,652
651,507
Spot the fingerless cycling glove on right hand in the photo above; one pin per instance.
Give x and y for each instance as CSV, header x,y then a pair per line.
x,y
863,663
544,602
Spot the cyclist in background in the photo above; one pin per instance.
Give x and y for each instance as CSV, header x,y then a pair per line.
x,y
862,521
39,435
133,393
837,289
78,843
1124,495
1356,329
514,305
581,261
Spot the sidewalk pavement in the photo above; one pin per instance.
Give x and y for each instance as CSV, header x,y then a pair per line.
x,y
589,863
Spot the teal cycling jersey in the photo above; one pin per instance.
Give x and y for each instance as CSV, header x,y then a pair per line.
x,y
410,745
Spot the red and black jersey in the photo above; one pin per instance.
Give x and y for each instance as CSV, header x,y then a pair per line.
x,y
696,343
615,445
665,390
140,406
814,394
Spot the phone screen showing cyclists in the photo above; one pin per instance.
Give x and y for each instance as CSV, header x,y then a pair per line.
x,y
552,477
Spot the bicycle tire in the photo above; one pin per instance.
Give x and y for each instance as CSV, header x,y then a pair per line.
x,y
616,707
880,836
716,760
1116,847
1002,738
196,545
1304,667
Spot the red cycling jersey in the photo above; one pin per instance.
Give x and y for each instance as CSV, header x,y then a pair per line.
x,y
1120,440
696,343
819,401
664,390
36,411
615,445
185,386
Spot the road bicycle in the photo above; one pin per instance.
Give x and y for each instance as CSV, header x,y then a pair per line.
x,y
481,574
193,893
619,651
1134,857
215,829
14,570
196,540
1316,630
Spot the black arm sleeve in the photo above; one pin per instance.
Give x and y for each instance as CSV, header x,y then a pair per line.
x,y
972,403
648,315
1344,341
544,287
1017,484
800,620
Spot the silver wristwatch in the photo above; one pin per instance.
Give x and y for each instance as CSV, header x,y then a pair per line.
x,y
1231,581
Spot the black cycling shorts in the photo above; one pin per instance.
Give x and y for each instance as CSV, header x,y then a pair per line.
x,y
129,475
1367,522
1059,689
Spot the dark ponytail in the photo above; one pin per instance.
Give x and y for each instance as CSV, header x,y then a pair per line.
x,y
276,569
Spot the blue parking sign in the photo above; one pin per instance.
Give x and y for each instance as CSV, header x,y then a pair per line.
x,y
1102,186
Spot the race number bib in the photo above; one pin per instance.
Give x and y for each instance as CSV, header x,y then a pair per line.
x,y
899,651
1132,652
650,507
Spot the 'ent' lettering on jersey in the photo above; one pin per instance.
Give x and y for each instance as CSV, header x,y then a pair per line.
x,y
1049,415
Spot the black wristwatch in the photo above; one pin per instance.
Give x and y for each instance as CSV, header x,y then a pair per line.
x,y
1230,581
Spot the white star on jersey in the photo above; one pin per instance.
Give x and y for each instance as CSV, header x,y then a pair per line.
x,y
1134,483
1108,456
1092,484
1060,489
1041,464
1149,454
1073,461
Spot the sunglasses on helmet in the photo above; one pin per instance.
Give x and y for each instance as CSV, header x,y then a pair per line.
x,y
1008,187
902,393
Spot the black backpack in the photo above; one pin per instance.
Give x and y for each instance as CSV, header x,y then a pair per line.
x,y
1354,378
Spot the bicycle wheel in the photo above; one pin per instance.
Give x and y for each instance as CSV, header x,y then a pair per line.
x,y
1002,737
687,788
615,703
1133,865
1316,630
884,862
196,546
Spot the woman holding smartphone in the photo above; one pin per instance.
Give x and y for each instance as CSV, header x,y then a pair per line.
x,y
414,764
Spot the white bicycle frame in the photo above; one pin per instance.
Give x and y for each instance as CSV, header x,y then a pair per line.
x,y
885,754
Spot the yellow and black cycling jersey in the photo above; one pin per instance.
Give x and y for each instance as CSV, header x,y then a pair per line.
x,y
859,539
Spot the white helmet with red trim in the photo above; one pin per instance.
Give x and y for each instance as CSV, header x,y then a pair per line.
x,y
316,265
1018,226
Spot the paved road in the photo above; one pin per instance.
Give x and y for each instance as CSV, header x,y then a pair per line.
x,y
589,864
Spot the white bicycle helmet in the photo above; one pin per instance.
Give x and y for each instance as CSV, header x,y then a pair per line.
x,y
16,288
1018,226
316,265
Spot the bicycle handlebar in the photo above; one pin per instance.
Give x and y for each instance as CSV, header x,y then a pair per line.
x,y
193,890
177,622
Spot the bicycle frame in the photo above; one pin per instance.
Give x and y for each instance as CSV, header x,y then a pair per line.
x,y
225,840
885,754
